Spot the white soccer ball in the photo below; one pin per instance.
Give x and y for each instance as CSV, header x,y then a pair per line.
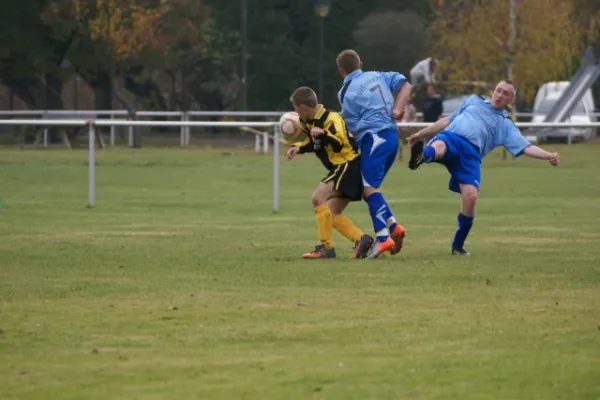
x,y
289,125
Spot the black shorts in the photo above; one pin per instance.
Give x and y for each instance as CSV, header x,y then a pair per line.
x,y
347,179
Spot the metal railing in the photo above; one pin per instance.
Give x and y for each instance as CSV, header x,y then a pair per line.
x,y
274,126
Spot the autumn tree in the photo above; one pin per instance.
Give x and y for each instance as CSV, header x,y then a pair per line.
x,y
471,39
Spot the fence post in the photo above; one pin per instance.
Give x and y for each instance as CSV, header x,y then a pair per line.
x,y
265,143
275,169
112,129
91,164
182,131
45,130
187,130
257,143
130,136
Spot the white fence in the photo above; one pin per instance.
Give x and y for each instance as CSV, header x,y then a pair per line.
x,y
91,124
261,140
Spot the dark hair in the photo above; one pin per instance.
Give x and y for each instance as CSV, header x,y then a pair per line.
x,y
304,96
348,60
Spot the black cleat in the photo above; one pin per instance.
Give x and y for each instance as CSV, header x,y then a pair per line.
x,y
460,252
362,246
320,252
416,155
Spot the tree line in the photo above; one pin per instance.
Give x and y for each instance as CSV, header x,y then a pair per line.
x,y
187,54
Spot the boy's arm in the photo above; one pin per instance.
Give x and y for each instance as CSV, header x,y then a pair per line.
x,y
306,146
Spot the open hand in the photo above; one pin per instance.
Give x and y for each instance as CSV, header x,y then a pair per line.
x,y
412,139
292,151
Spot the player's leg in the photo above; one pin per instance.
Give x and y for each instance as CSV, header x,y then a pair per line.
x,y
466,175
435,150
346,227
341,223
378,153
468,198
323,192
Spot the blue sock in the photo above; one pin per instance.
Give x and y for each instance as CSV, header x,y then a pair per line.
x,y
464,226
428,154
379,209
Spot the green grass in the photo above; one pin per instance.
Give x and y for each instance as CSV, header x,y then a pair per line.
x,y
183,284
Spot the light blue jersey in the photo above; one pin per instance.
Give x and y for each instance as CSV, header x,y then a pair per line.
x,y
486,128
368,101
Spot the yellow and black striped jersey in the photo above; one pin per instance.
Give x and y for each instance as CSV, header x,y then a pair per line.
x,y
336,145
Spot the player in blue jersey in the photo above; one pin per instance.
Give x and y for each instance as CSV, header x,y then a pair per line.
x,y
470,133
370,110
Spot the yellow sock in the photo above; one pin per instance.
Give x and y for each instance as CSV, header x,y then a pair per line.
x,y
344,226
324,225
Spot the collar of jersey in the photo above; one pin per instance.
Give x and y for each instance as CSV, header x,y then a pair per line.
x,y
319,114
352,75
489,103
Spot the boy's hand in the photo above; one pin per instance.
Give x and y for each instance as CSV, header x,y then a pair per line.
x,y
314,132
554,158
292,151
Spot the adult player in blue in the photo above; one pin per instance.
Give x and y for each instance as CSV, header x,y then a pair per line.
x,y
370,110
474,130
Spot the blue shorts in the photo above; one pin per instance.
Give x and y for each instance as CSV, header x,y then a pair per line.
x,y
378,152
462,160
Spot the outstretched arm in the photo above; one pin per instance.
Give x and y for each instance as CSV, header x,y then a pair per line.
x,y
432,129
541,154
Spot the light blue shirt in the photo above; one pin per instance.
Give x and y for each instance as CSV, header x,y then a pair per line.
x,y
369,100
486,128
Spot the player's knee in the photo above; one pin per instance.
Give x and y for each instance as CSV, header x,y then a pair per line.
x,y
440,149
470,197
318,198
368,190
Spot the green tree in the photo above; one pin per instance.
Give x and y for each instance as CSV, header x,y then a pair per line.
x,y
392,41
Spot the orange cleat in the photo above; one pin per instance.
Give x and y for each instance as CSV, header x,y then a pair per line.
x,y
397,236
379,248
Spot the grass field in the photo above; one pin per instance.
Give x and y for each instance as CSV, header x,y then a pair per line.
x,y
182,284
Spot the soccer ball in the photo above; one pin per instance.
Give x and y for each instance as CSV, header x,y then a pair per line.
x,y
289,125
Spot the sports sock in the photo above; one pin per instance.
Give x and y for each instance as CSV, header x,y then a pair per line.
x,y
379,209
391,221
344,226
428,154
462,231
324,225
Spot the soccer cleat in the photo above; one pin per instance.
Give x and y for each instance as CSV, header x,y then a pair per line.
x,y
379,248
416,155
320,251
460,252
362,246
397,236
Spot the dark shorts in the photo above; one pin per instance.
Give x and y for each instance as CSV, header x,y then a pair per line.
x,y
461,159
346,179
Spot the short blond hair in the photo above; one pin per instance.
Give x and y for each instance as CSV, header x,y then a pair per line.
x,y
348,60
304,96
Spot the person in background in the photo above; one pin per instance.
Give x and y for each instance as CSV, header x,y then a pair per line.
x,y
423,74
